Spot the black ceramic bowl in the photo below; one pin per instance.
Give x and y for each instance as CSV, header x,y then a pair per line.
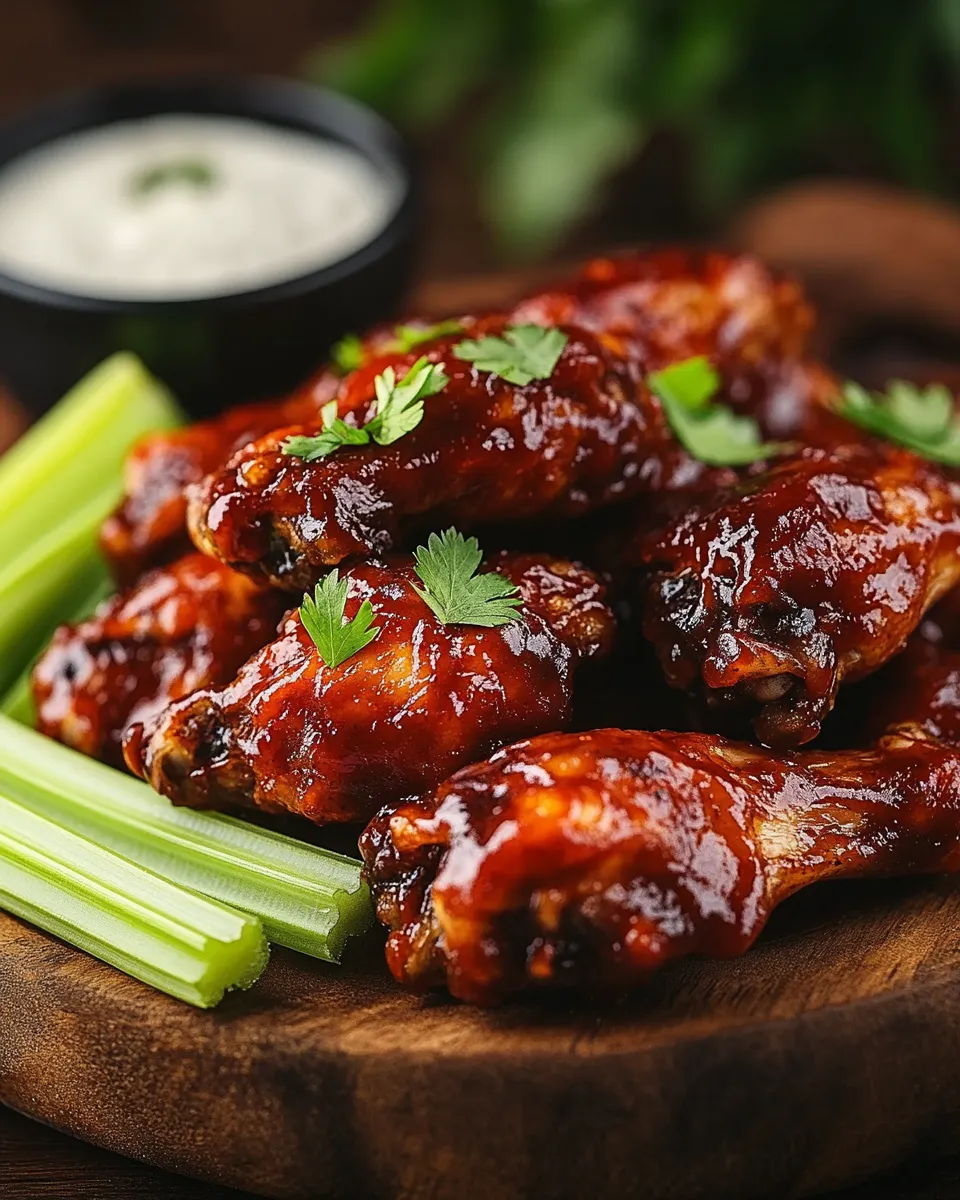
x,y
226,349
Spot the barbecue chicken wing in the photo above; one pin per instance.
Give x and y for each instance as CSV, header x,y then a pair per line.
x,y
921,686
149,527
592,859
485,451
673,304
771,593
185,626
333,744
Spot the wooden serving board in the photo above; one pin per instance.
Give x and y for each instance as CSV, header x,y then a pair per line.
x,y
830,1052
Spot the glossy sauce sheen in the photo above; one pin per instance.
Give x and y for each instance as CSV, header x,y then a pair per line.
x,y
181,627
592,859
421,700
487,451
771,594
649,308
674,304
149,526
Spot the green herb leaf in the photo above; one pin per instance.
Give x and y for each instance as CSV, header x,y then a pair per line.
x,y
710,432
446,567
399,410
323,618
922,419
524,353
194,171
400,404
347,354
335,433
408,337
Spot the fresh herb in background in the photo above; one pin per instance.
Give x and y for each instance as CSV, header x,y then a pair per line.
x,y
408,337
447,567
565,92
399,410
524,353
710,432
192,171
923,419
335,638
347,354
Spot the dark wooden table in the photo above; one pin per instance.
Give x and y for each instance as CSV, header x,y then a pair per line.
x,y
39,1164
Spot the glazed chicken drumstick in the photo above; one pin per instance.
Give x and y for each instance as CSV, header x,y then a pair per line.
x,y
184,626
422,699
770,594
592,859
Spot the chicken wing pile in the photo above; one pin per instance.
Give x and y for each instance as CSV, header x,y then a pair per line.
x,y
308,624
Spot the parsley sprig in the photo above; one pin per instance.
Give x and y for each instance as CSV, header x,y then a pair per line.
x,y
400,402
322,616
447,568
711,432
524,353
399,410
922,419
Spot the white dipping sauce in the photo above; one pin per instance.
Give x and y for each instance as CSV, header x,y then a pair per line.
x,y
234,205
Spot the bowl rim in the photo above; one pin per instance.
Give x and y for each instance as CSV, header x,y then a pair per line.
x,y
273,100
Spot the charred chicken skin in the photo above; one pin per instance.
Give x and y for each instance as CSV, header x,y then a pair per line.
x,y
184,626
421,700
773,592
592,859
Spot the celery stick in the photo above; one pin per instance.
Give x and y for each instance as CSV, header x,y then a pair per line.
x,y
18,703
186,945
45,584
307,898
77,450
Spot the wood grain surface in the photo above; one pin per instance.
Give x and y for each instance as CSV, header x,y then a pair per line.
x,y
830,1053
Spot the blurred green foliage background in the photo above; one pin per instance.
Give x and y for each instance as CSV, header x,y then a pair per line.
x,y
553,97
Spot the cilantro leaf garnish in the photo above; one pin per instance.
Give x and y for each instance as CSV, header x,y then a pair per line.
x,y
446,567
347,354
400,404
399,410
524,353
710,432
335,433
922,419
322,616
408,337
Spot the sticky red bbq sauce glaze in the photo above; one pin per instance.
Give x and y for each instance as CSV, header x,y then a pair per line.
x,y
183,626
333,743
771,593
674,304
590,860
486,451
149,526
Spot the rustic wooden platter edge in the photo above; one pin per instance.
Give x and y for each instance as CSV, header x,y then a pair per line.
x,y
830,1052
